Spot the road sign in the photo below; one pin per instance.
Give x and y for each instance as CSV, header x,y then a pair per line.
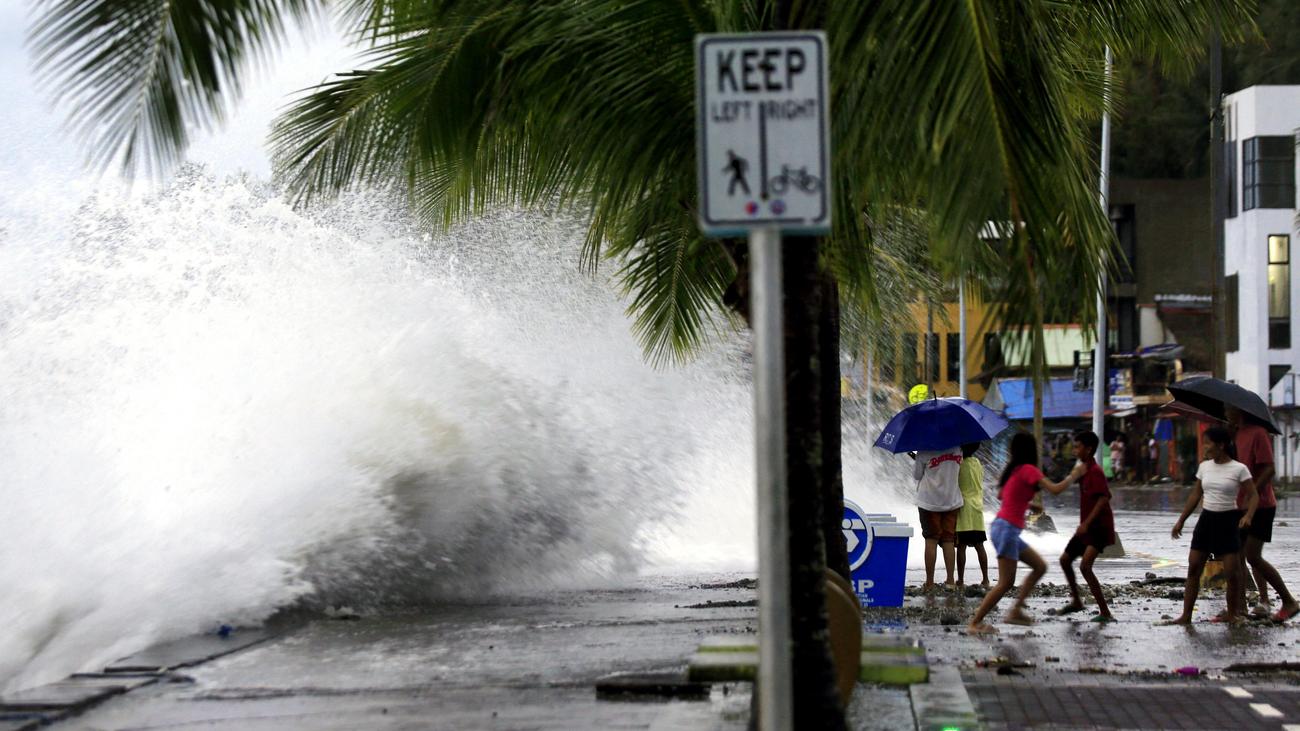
x,y
763,132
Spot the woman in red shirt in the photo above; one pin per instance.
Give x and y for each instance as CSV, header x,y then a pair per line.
x,y
1020,481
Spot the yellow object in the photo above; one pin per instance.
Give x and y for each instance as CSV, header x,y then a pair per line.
x,y
970,478
844,620
1212,576
919,393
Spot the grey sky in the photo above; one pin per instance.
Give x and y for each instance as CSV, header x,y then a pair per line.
x,y
33,143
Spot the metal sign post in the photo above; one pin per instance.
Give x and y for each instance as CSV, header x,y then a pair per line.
x,y
763,149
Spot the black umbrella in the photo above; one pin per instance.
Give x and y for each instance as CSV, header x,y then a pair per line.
x,y
1211,395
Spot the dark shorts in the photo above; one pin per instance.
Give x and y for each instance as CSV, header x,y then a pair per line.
x,y
941,527
1261,525
1216,532
971,538
1097,538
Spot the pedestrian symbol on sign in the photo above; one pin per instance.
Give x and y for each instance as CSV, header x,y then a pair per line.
x,y
737,166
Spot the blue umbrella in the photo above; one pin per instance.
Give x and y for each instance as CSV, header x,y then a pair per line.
x,y
940,424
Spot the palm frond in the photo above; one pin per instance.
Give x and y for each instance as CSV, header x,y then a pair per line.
x,y
138,76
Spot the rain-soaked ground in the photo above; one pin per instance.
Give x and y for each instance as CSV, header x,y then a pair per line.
x,y
532,662
1144,517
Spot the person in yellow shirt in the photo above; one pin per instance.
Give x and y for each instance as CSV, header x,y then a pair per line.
x,y
970,521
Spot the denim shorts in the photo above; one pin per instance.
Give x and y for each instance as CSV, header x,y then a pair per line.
x,y
1006,539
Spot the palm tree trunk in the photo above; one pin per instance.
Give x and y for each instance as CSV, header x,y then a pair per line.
x,y
807,365
837,554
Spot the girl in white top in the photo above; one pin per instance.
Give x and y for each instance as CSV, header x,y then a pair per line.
x,y
1218,528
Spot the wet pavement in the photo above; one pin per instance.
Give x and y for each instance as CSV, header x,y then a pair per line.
x,y
525,664
533,662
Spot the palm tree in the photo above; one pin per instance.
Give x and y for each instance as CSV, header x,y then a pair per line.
x,y
969,111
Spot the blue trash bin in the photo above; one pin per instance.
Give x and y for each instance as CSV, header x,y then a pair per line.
x,y
877,546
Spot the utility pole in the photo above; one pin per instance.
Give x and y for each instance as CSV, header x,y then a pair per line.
x,y
1219,203
1099,374
961,338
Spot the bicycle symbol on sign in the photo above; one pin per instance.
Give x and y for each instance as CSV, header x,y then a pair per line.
x,y
799,178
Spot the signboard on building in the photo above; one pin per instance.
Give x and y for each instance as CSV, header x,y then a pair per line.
x,y
763,128
1119,389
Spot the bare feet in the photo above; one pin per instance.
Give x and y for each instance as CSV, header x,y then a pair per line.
x,y
983,628
927,587
1286,612
985,584
1016,616
1071,608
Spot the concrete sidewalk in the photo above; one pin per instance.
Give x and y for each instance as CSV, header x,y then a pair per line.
x,y
536,662
1033,700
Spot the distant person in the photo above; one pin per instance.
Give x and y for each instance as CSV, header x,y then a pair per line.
x,y
1217,532
1117,457
970,521
1020,481
1096,528
938,500
1254,449
1153,458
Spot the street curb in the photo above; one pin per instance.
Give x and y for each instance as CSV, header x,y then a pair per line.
x,y
32,708
886,659
943,703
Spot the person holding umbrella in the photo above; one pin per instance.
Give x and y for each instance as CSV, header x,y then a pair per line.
x,y
1249,422
1255,450
935,429
1218,482
938,502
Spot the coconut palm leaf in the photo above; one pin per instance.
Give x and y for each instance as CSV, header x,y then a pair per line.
x,y
973,111
138,76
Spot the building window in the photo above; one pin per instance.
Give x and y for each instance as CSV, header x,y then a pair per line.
x,y
932,358
1277,373
992,352
1279,291
907,360
954,358
1230,311
888,371
1268,173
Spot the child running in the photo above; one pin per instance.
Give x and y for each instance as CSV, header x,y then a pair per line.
x,y
1019,482
1217,530
1096,528
970,521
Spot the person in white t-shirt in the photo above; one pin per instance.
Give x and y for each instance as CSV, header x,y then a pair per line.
x,y
1217,530
938,502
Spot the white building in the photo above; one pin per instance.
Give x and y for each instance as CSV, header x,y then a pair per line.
x,y
1260,240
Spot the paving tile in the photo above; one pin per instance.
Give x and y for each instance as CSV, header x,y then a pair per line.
x,y
23,721
67,695
187,651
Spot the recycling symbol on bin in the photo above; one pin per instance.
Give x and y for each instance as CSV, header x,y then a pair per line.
x,y
858,536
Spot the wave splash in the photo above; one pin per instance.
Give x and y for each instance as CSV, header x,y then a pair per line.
x,y
215,407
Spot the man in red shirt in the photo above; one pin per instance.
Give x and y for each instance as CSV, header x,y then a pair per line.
x,y
1255,450
1096,528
